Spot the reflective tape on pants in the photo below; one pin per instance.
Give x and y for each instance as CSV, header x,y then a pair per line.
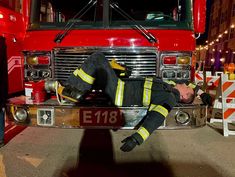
x,y
119,93
84,76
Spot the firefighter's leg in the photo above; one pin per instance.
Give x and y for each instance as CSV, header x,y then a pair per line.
x,y
96,69
70,93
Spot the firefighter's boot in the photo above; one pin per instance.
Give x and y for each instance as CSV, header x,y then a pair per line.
x,y
70,93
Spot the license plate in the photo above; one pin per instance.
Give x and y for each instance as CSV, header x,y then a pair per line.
x,y
101,117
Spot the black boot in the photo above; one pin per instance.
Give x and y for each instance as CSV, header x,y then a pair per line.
x,y
70,93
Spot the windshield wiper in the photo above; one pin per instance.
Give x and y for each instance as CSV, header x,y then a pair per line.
x,y
150,37
59,37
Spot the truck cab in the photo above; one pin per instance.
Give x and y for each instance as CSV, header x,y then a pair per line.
x,y
153,38
13,30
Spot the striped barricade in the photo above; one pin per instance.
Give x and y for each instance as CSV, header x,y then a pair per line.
x,y
212,84
214,89
228,104
199,77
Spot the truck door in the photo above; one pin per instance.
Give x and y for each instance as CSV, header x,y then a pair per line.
x,y
12,28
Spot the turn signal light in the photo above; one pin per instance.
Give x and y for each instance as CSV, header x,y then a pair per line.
x,y
185,60
38,60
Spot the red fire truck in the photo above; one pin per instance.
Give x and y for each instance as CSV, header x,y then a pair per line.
x,y
48,40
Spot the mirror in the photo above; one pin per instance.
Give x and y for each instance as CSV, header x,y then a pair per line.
x,y
199,15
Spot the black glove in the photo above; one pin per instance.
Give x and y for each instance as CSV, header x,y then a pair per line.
x,y
206,99
129,144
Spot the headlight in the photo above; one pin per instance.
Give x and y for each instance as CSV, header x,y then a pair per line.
x,y
38,60
182,117
173,60
175,65
183,74
44,73
20,115
169,74
32,73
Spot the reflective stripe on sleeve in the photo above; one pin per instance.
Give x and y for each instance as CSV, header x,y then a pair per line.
x,y
193,86
143,133
119,93
159,108
84,76
147,91
170,82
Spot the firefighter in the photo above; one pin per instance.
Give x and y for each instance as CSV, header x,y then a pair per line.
x,y
205,97
3,87
152,92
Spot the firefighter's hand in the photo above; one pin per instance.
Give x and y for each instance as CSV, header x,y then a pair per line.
x,y
129,144
206,99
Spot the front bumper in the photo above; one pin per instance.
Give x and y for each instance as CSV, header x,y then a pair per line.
x,y
23,111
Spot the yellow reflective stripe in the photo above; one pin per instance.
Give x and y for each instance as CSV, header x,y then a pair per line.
x,y
170,82
119,93
159,108
143,133
193,86
147,91
84,76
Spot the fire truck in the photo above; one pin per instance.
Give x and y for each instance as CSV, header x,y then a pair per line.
x,y
47,40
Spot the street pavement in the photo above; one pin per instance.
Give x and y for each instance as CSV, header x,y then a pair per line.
x,y
52,152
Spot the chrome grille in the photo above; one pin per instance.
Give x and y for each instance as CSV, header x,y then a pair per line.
x,y
142,61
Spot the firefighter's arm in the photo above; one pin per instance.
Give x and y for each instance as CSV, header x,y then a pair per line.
x,y
205,97
154,119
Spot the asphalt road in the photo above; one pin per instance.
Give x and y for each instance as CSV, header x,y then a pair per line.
x,y
50,152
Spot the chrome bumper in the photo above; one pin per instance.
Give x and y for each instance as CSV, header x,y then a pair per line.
x,y
51,114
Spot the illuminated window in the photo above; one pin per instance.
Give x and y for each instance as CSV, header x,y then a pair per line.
x,y
233,12
231,33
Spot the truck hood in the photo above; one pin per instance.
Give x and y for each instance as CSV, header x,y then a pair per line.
x,y
167,40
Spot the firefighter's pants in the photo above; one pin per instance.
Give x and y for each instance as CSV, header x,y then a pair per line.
x,y
95,71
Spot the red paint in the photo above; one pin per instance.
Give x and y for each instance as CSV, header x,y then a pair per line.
x,y
11,130
38,94
13,26
169,40
169,60
199,13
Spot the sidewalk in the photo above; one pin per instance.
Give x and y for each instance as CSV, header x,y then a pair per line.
x,y
50,152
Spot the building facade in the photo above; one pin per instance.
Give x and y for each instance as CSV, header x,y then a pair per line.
x,y
220,46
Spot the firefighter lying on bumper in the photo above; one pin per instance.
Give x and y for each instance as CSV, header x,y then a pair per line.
x,y
158,96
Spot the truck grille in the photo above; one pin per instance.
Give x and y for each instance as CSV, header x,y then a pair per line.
x,y
142,61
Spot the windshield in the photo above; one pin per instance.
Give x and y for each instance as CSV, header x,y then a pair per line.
x,y
109,13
